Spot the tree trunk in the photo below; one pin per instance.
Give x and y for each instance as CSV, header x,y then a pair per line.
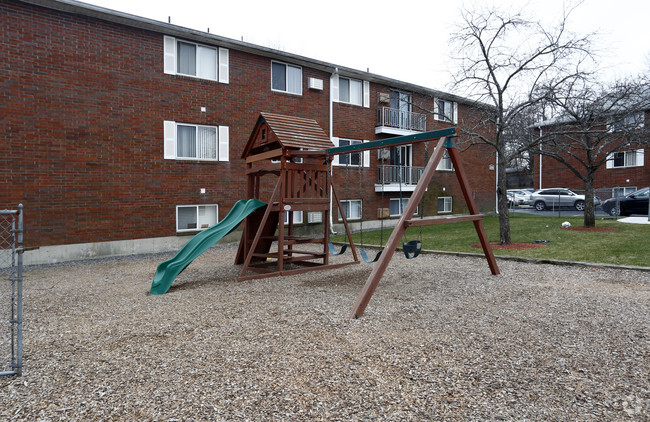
x,y
502,201
590,212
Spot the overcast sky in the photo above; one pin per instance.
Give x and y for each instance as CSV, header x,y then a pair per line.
x,y
400,39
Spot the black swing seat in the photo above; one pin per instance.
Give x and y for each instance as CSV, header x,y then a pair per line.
x,y
412,249
365,257
333,249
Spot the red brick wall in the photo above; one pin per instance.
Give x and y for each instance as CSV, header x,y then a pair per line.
x,y
82,112
83,108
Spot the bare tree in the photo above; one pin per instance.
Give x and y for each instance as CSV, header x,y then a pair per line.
x,y
507,61
595,123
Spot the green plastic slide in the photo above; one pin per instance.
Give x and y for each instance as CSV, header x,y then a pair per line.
x,y
168,270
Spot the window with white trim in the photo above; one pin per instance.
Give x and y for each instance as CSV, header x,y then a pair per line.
x,y
351,208
350,91
297,217
628,122
397,206
445,111
314,217
352,158
356,159
444,204
286,78
186,141
445,163
623,190
633,158
196,217
188,58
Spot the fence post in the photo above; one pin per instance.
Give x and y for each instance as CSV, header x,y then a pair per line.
x,y
19,294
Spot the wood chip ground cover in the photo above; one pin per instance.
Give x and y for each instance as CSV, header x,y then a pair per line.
x,y
442,339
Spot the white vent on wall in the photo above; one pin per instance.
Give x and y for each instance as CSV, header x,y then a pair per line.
x,y
316,84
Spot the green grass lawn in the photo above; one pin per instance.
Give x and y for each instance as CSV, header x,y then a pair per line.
x,y
628,245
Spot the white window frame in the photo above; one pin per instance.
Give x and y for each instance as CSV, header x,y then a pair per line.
x,y
314,217
348,202
297,217
629,122
348,156
365,155
221,64
334,91
286,75
621,191
171,135
447,204
449,113
199,223
445,163
638,159
401,202
354,101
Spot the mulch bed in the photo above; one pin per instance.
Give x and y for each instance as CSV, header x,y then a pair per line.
x,y
441,340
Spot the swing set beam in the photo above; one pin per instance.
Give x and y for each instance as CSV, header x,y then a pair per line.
x,y
398,140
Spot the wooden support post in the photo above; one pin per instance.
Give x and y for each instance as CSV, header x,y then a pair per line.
x,y
345,224
473,209
258,235
380,266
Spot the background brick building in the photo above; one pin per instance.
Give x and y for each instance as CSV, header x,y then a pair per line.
x,y
99,109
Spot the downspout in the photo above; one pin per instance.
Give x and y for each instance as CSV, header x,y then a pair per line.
x,y
331,104
540,159
496,182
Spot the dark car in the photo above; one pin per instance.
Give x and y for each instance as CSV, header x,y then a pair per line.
x,y
632,203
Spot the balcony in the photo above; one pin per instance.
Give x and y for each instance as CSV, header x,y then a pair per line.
x,y
393,178
398,122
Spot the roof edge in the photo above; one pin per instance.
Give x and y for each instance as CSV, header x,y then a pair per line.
x,y
127,19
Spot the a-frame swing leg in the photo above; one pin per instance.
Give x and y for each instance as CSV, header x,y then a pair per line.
x,y
391,245
473,209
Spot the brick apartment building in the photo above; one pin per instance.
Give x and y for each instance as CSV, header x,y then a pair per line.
x,y
122,134
624,172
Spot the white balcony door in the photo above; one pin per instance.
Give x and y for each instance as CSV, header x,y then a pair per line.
x,y
400,158
401,102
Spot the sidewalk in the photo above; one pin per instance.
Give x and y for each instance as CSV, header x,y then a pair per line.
x,y
634,220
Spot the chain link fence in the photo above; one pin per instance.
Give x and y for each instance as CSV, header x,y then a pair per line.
x,y
11,301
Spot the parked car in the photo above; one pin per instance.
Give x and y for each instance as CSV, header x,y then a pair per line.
x,y
521,196
558,197
632,203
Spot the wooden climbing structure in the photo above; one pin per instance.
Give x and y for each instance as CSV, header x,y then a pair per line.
x,y
294,151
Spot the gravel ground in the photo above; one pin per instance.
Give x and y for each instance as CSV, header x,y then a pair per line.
x,y
442,339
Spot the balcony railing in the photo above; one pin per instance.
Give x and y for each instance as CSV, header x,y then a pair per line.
x,y
407,176
399,119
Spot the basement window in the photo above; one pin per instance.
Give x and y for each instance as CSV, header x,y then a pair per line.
x,y
195,217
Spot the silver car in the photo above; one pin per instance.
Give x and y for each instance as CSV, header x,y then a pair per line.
x,y
558,197
521,197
